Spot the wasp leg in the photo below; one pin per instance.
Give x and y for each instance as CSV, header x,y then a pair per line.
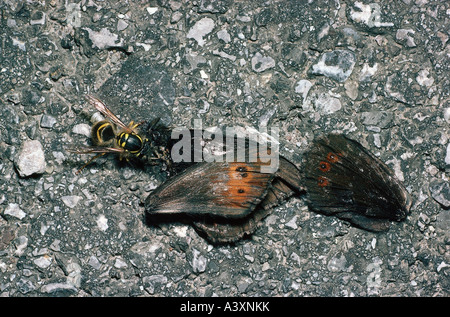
x,y
89,162
133,125
151,125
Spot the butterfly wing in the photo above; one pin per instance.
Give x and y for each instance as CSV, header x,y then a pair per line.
x,y
342,178
222,230
226,200
225,230
225,189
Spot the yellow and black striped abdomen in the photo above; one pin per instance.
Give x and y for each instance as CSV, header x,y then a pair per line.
x,y
130,142
102,133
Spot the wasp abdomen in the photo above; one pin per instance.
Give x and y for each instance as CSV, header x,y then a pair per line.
x,y
102,132
130,142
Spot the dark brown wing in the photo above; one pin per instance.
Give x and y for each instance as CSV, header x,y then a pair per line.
x,y
225,230
218,188
346,180
220,217
226,201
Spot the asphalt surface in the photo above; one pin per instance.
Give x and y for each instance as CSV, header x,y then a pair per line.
x,y
376,71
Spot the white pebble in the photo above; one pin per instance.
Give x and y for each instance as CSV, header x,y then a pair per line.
x,y
102,222
70,201
201,29
31,159
14,210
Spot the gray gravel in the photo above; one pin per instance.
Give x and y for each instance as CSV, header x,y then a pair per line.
x,y
378,72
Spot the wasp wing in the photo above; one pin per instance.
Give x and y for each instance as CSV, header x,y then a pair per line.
x,y
95,149
100,106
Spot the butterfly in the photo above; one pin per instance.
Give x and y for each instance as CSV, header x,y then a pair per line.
x,y
226,200
344,179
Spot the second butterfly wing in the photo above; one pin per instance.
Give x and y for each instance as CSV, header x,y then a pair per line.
x,y
346,180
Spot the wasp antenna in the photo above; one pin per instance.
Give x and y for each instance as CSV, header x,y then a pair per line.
x,y
153,123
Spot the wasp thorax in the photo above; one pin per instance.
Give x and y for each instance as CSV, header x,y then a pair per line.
x,y
130,141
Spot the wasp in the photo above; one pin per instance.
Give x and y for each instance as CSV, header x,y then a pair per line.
x,y
113,136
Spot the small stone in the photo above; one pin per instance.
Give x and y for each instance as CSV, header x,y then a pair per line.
x,y
55,246
447,119
21,244
292,223
83,129
31,159
198,262
14,210
120,263
337,65
368,14
6,236
121,25
261,63
441,266
424,78
423,221
176,16
303,86
56,72
351,89
367,72
47,121
379,119
224,36
242,286
447,155
201,29
337,263
104,39
440,191
152,10
43,262
193,61
102,222
59,289
25,286
406,36
38,18
153,281
323,103
94,262
71,201
74,276
213,6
